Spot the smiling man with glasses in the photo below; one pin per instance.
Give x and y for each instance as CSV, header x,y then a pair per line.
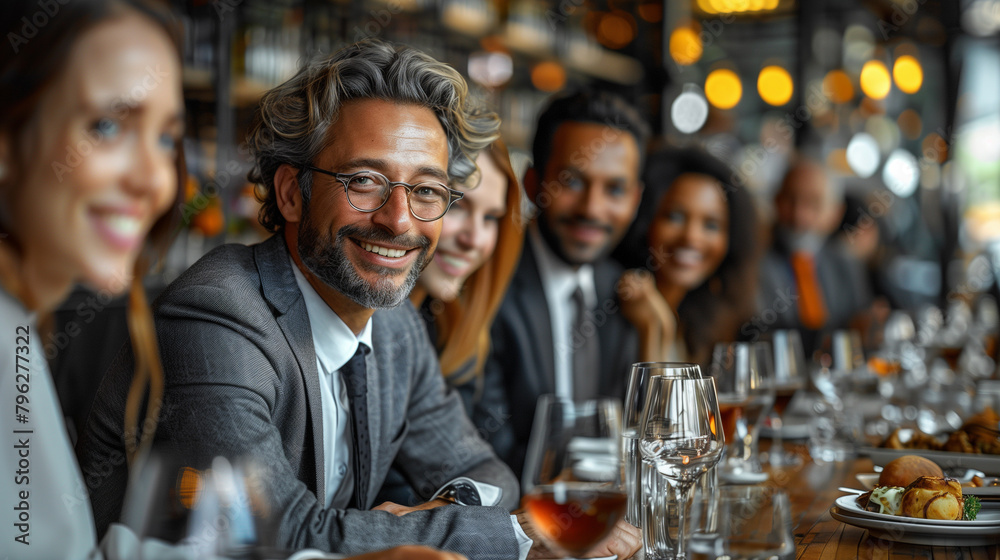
x,y
300,355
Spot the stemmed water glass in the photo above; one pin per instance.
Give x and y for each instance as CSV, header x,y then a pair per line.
x,y
789,376
680,437
573,492
635,403
745,377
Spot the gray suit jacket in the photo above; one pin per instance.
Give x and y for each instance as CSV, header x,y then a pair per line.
x,y
241,381
845,288
522,357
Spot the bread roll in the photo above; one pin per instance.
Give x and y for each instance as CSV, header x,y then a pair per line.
x,y
906,469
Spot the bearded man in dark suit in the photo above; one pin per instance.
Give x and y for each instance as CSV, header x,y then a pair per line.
x,y
560,329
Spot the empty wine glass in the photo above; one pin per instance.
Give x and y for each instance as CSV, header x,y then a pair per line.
x,y
789,376
635,401
745,378
838,368
680,437
573,492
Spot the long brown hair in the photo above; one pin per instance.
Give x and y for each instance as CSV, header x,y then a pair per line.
x,y
25,73
463,324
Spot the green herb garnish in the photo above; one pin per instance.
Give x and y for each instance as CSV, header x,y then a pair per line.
x,y
972,506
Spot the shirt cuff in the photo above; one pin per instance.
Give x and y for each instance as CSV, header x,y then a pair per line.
x,y
489,495
523,542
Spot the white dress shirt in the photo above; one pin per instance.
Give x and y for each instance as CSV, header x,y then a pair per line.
x,y
559,281
335,344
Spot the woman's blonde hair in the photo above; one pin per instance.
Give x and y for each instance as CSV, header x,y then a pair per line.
x,y
463,324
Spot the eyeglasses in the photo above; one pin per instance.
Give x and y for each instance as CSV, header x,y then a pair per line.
x,y
367,191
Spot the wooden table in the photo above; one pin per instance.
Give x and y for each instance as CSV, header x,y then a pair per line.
x,y
812,489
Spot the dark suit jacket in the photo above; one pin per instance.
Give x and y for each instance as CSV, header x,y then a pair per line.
x,y
242,382
522,358
842,279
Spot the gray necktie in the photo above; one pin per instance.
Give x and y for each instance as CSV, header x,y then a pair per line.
x,y
586,354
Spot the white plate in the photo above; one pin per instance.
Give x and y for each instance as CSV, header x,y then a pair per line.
x,y
985,518
984,493
869,480
989,464
913,533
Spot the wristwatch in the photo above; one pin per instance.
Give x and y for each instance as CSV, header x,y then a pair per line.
x,y
461,492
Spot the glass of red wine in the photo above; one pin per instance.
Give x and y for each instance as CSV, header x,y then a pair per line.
x,y
573,490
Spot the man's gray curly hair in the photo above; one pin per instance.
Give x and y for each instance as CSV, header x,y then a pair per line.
x,y
293,120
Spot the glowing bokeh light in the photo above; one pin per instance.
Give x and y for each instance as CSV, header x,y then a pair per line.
x,y
548,76
723,88
689,111
775,85
863,155
616,29
901,173
685,45
706,6
838,87
875,80
908,74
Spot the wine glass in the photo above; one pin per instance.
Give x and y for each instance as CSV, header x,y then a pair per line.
x,y
573,492
680,437
838,364
744,374
206,510
835,364
635,402
789,377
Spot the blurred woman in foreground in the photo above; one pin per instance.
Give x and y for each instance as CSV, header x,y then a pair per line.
x,y
695,244
89,164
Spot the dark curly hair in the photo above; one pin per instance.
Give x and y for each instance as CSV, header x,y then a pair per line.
x,y
713,311
293,120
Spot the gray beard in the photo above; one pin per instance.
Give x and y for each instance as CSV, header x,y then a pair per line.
x,y
327,260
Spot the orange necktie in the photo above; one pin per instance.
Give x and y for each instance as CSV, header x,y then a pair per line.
x,y
812,310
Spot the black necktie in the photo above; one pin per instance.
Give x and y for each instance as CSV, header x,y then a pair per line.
x,y
356,380
586,355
